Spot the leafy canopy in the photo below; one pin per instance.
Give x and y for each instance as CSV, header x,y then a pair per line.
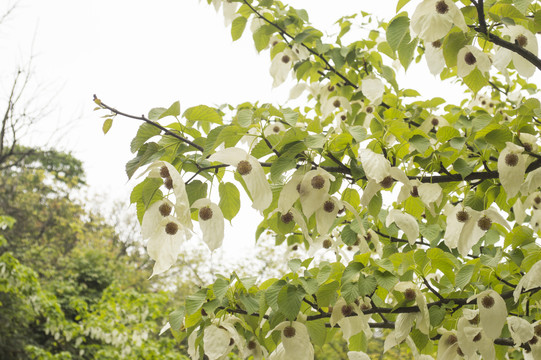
x,y
403,213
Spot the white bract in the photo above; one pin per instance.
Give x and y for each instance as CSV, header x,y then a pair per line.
x,y
492,312
432,19
373,89
251,172
405,222
351,318
295,342
530,280
329,105
524,38
211,221
511,168
314,189
470,58
434,56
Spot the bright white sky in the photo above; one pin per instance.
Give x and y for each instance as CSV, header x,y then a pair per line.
x,y
136,55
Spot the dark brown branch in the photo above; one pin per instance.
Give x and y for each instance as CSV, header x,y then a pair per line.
x,y
155,124
312,51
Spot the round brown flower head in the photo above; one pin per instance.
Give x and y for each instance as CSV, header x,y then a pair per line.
x,y
469,58
251,345
462,216
203,312
434,121
441,7
244,167
368,236
533,340
318,182
343,117
537,329
487,301
475,320
451,340
387,182
295,247
528,147
369,109
459,352
328,206
205,213
168,182
409,294
365,307
298,187
165,209
484,102
171,228
349,248
347,310
357,241
327,243
330,88
274,43
164,172
521,40
287,218
231,341
336,103
289,332
511,159
477,337
276,129
285,59
437,44
414,191
537,200
484,223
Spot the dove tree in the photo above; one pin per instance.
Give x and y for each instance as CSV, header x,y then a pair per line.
x,y
408,217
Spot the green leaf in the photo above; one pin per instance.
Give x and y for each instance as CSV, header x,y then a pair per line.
x,y
261,38
203,113
294,264
350,291
237,27
251,304
220,288
326,295
289,301
367,285
499,137
174,110
315,141
437,314
195,301
154,113
271,294
290,116
244,117
462,167
401,4
519,236
419,338
351,272
229,200
176,318
196,190
385,279
405,52
358,132
420,143
463,276
145,132
397,31
446,133
148,153
107,125
286,161
475,80
317,331
452,45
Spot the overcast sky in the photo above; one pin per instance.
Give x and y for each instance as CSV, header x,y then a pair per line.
x,y
136,55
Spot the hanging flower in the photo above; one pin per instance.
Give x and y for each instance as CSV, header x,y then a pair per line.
x,y
469,58
447,345
173,181
211,221
492,312
327,213
368,110
274,128
403,324
525,39
313,189
290,192
373,89
433,122
220,338
405,222
529,142
281,65
530,280
532,182
254,348
165,238
434,56
432,19
428,193
519,208
512,168
521,330
295,342
412,293
350,317
329,105
358,355
251,172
